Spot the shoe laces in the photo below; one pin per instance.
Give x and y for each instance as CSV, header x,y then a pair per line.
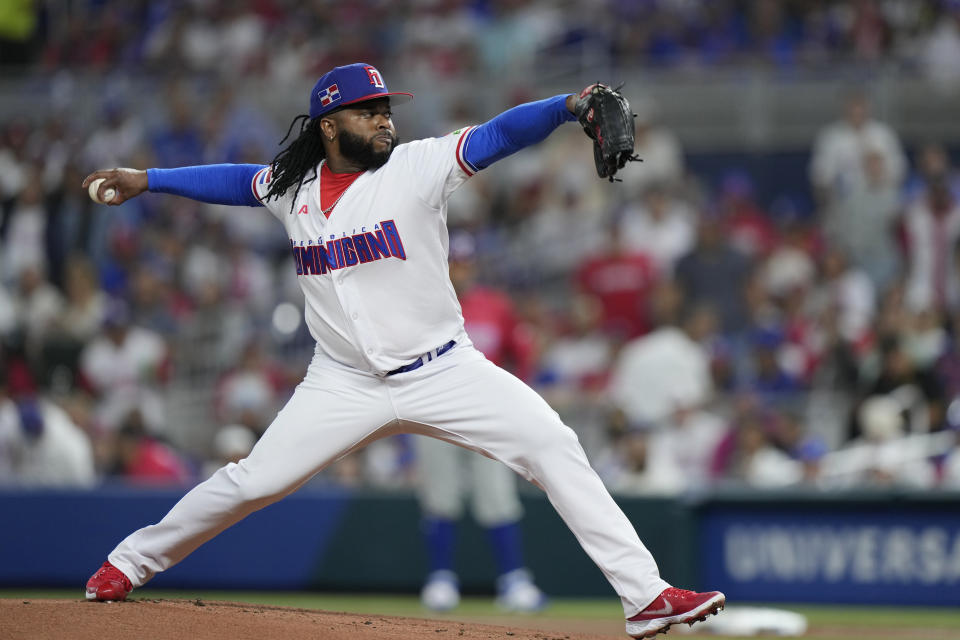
x,y
673,592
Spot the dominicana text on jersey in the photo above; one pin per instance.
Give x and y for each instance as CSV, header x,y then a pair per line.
x,y
361,247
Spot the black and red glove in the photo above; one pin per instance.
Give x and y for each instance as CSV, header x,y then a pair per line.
x,y
606,117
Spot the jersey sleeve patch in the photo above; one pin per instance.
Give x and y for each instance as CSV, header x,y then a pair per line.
x,y
261,182
465,165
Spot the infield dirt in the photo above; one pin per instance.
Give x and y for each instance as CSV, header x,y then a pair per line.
x,y
148,619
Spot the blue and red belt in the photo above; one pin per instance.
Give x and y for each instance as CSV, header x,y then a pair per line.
x,y
427,357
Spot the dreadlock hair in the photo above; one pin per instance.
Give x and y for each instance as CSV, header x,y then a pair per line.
x,y
292,164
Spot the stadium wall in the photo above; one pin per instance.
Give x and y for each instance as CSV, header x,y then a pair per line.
x,y
876,548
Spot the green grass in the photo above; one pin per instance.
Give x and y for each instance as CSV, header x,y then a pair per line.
x,y
880,617
939,621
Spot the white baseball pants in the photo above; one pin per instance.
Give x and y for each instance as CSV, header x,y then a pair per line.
x,y
459,397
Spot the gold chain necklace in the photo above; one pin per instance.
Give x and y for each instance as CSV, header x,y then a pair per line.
x,y
326,212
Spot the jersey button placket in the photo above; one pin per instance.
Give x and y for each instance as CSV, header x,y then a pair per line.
x,y
349,300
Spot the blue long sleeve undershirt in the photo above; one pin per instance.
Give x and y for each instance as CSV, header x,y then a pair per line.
x,y
214,183
507,133
514,129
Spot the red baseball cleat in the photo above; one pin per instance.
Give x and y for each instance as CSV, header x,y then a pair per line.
x,y
674,606
108,583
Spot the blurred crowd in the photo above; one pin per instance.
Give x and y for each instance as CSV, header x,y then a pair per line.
x,y
694,335
289,40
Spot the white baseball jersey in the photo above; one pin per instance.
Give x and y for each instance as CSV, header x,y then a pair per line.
x,y
374,274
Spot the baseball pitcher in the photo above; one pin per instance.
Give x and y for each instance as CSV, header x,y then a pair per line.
x,y
366,219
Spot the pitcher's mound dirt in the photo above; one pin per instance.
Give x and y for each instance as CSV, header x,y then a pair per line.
x,y
202,620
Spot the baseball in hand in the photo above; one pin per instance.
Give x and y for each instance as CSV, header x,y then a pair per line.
x,y
94,187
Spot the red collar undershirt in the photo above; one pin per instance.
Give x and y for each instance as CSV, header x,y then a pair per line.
x,y
332,186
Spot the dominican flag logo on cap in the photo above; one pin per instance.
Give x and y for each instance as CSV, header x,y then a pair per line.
x,y
350,84
329,95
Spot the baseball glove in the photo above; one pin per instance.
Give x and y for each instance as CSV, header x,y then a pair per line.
x,y
606,117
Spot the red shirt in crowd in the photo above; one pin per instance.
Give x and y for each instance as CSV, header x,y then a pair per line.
x,y
495,330
622,283
153,463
